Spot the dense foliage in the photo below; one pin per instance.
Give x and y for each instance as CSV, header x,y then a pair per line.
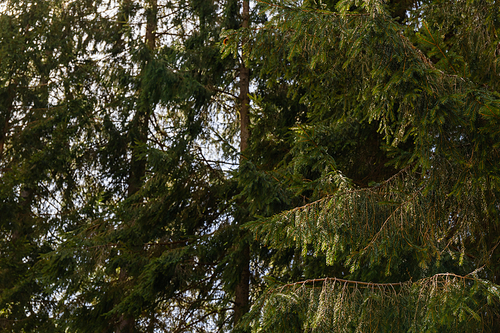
x,y
249,166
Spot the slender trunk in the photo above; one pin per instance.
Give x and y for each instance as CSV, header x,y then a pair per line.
x,y
126,323
5,128
244,86
139,135
151,23
242,290
140,123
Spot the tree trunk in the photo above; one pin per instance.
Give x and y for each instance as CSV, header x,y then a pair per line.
x,y
126,323
242,290
140,123
138,135
6,119
244,86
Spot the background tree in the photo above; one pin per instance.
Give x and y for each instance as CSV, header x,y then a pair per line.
x,y
150,254
46,117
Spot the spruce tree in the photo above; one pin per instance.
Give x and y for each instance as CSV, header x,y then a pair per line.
x,y
46,117
389,164
150,253
362,196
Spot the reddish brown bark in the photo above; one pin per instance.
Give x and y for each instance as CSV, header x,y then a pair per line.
x,y
242,290
244,86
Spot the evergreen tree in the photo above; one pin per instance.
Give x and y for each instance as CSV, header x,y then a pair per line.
x,y
362,196
388,159
46,116
150,253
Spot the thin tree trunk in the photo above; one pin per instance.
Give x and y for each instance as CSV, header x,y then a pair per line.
x,y
242,290
138,135
126,323
5,128
140,123
244,86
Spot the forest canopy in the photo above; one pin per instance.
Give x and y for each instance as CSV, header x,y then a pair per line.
x,y
249,166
